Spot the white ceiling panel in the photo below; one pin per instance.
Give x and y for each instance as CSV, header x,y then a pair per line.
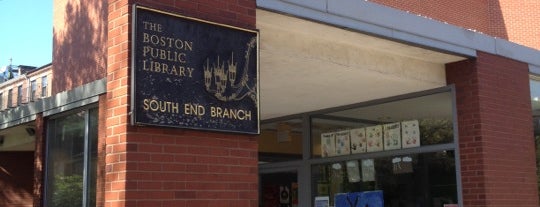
x,y
307,66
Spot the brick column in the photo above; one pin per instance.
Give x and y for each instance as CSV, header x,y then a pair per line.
x,y
39,160
101,151
156,166
117,119
495,131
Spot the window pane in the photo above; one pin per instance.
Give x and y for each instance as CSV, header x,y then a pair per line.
x,y
10,98
427,179
280,141
19,95
33,86
406,123
65,161
535,103
537,143
44,86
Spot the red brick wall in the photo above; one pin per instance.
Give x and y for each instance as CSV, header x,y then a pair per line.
x,y
495,131
166,167
517,21
153,166
16,173
79,43
240,13
468,14
520,20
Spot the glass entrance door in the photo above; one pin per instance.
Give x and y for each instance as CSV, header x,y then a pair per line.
x,y
280,159
279,189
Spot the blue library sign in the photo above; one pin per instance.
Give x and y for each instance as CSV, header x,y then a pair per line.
x,y
190,73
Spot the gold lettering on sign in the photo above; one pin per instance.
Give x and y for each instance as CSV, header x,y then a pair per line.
x,y
226,113
168,42
194,109
152,26
165,54
159,67
161,106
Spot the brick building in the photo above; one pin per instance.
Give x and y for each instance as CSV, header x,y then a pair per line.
x,y
342,84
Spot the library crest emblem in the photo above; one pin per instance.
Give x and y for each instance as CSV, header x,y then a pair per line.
x,y
228,81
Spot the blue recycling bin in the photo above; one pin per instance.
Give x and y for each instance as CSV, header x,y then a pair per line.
x,y
359,199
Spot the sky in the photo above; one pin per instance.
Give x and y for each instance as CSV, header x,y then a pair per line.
x,y
26,32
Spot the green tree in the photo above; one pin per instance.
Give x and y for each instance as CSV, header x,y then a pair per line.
x,y
68,191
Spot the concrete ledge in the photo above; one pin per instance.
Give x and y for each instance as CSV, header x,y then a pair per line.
x,y
534,69
517,52
80,96
319,5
